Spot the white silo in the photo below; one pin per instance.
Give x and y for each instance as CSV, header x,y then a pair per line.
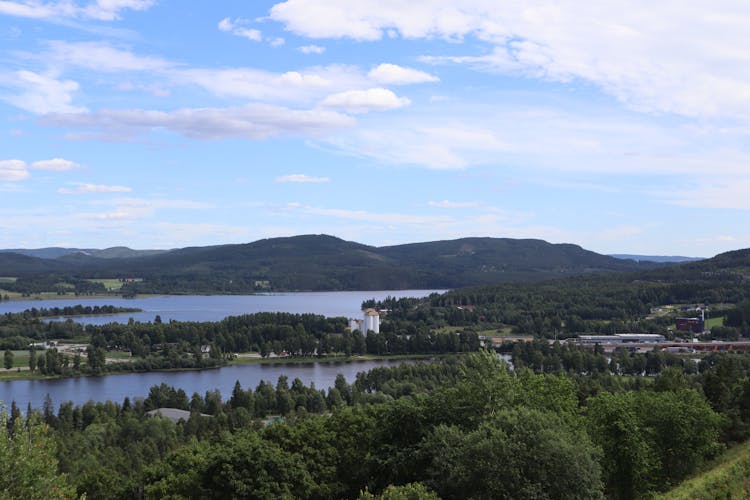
x,y
371,322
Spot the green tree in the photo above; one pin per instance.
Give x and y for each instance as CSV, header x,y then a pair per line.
x,y
32,359
241,466
628,459
519,453
8,359
28,467
411,491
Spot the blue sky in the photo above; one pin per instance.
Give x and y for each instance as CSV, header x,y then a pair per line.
x,y
620,126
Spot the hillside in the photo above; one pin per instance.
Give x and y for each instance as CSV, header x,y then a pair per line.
x,y
729,477
321,262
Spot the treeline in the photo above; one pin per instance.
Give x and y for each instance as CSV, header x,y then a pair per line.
x,y
76,310
60,283
463,429
292,334
559,358
606,304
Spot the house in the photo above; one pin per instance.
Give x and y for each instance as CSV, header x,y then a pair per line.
x,y
173,414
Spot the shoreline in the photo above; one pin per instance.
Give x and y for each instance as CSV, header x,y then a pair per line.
x,y
13,374
45,296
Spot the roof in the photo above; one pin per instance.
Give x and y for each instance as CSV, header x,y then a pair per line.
x,y
172,414
371,312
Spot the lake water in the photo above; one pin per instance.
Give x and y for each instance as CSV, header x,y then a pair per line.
x,y
132,385
197,308
218,307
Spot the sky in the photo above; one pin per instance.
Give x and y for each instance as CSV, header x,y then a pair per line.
x,y
621,126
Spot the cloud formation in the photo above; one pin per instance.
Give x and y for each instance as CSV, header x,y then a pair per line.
x,y
13,170
254,121
311,49
362,101
100,10
236,27
665,57
392,74
86,188
302,178
38,93
18,170
56,164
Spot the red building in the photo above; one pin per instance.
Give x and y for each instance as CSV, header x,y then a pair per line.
x,y
694,325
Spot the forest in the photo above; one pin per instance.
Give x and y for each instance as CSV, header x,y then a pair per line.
x,y
465,427
557,420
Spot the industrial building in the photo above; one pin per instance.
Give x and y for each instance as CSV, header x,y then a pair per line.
x,y
369,323
693,325
621,338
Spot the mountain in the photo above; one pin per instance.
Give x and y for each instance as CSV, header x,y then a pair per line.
x,y
60,252
322,262
16,264
656,258
45,253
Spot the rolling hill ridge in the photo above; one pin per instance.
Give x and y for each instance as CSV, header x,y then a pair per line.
x,y
322,262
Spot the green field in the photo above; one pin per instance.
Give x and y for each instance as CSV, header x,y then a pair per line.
x,y
7,279
20,359
712,322
505,330
112,284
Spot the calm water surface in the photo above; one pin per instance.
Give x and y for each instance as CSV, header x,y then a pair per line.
x,y
218,307
117,387
198,308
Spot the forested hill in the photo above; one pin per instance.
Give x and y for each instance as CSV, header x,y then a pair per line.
x,y
321,262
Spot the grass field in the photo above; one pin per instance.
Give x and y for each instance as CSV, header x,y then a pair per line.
x,y
506,330
712,322
728,476
20,359
7,279
112,284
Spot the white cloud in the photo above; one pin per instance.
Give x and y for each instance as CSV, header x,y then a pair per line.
x,y
454,204
301,178
255,121
364,215
13,170
301,86
86,188
102,57
18,170
441,147
101,10
39,93
689,59
108,10
362,101
311,49
720,193
139,208
276,41
236,27
154,90
392,74
56,164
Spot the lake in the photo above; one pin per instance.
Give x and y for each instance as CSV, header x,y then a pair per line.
x,y
132,385
218,307
197,308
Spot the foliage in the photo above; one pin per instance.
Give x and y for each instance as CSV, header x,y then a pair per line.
x,y
28,467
